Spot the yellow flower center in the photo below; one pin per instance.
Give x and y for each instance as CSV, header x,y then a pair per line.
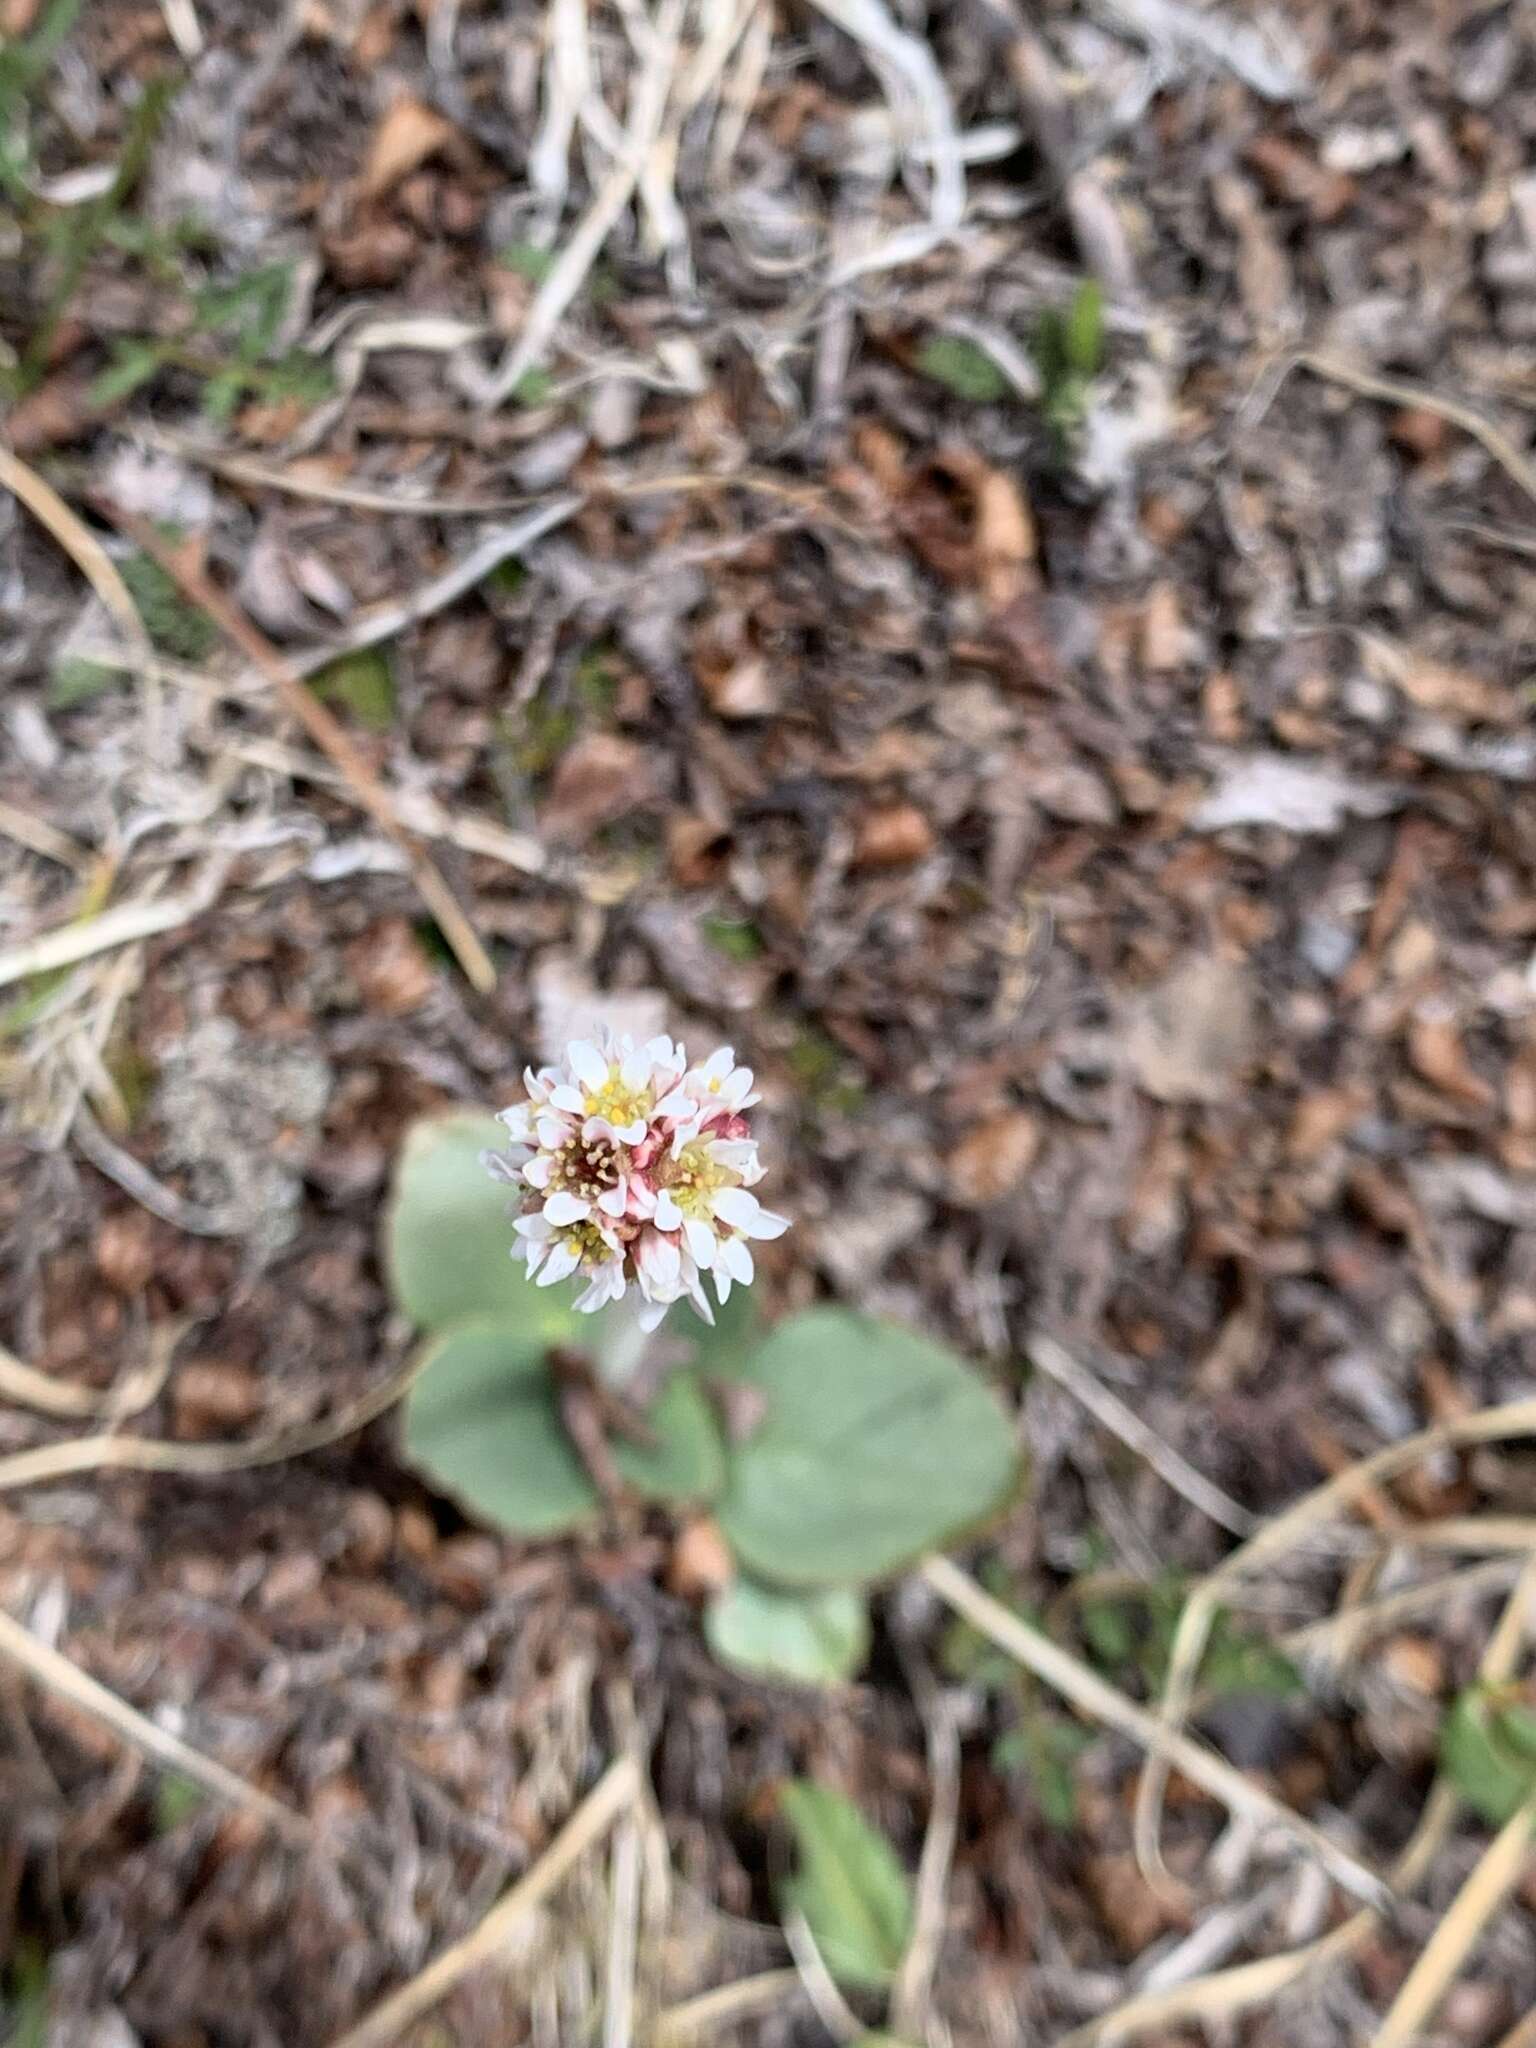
x,y
618,1104
693,1178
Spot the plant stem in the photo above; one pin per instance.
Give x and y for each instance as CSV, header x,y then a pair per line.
x,y
621,1354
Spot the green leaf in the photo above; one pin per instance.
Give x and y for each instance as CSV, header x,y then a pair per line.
x,y
133,363
448,1234
527,259
736,937
362,683
815,1638
1046,1747
26,2001
875,1446
849,1885
962,367
177,1799
482,1422
76,681
1488,1751
1082,334
176,627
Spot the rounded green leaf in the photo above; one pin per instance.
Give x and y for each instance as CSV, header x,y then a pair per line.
x,y
483,1423
875,1446
817,1638
448,1234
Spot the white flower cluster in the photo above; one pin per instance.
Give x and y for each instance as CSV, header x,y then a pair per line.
x,y
635,1169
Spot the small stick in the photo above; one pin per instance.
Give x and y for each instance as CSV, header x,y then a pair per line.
x,y
1087,1691
50,1668
1122,1421
612,1795
327,732
1493,1878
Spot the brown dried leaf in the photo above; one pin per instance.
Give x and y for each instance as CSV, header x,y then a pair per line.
x,y
894,836
406,136
391,968
1190,1039
1437,1053
701,1562
992,1158
599,778
1005,539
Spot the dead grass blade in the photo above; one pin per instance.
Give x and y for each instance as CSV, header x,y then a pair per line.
x,y
1103,1702
1226,1993
1397,391
1121,1421
50,1668
40,837
647,111
329,734
1490,1425
913,1990
141,1454
29,1388
706,2017
121,926
1497,1871
613,1794
79,543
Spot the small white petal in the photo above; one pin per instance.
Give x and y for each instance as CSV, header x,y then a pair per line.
x,y
701,1241
737,1260
563,1208
538,1170
588,1065
612,1200
766,1226
534,1227
676,1104
736,1207
668,1214
567,1100
632,1133
634,1070
561,1263
722,1285
719,1064
658,1260
700,1302
651,1314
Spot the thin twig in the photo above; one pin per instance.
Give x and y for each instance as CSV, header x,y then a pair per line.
x,y
40,837
1489,1425
1226,1993
1396,391
817,1981
120,926
29,1388
50,1668
712,2011
80,544
146,1454
1103,1702
328,733
647,110
913,1989
1494,1876
1122,1421
613,1793
623,1934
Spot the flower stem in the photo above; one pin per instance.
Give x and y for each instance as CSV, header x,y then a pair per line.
x,y
622,1350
